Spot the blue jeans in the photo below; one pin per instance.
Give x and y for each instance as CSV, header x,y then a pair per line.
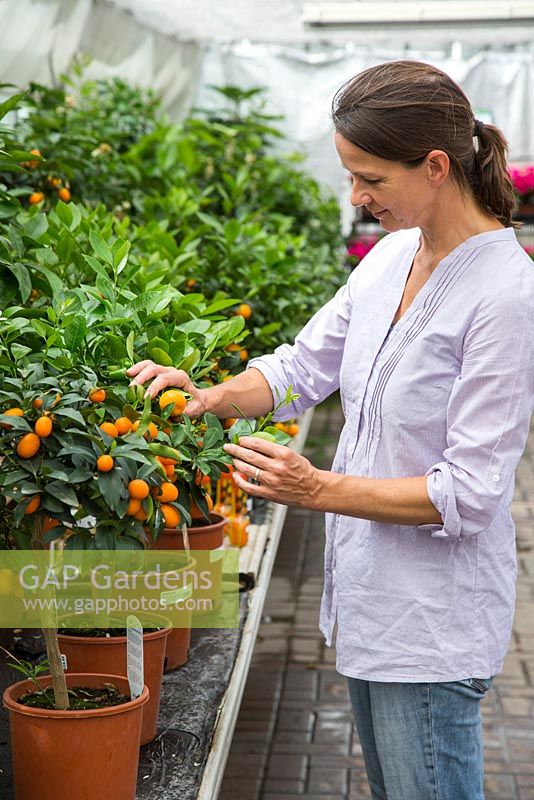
x,y
421,741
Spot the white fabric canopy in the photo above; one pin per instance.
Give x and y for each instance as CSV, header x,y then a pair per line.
x,y
38,39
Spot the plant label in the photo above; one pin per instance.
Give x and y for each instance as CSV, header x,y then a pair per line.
x,y
134,643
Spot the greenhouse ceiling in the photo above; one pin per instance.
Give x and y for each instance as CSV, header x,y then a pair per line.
x,y
480,22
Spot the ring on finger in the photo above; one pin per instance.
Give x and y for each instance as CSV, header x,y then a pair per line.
x,y
257,474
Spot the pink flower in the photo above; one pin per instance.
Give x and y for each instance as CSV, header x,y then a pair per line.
x,y
522,179
359,248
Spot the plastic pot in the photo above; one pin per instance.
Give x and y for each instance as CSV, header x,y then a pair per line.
x,y
75,755
109,655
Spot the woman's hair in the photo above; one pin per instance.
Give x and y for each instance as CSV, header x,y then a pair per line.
x,y
401,110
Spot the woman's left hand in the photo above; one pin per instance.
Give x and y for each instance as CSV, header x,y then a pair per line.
x,y
283,476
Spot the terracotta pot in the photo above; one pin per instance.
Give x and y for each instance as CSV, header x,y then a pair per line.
x,y
61,755
108,655
203,537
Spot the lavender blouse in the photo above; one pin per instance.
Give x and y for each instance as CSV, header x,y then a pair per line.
x,y
447,394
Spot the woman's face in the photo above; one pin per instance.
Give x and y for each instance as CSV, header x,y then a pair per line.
x,y
398,196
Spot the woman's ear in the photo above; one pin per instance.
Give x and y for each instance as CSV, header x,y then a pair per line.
x,y
437,164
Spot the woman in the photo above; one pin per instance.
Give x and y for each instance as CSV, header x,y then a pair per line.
x,y
431,345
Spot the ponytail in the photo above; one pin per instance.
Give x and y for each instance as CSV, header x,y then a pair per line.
x,y
490,179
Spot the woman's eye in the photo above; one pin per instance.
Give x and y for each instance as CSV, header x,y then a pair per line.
x,y
368,181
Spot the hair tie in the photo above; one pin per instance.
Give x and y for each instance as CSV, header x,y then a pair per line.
x,y
478,127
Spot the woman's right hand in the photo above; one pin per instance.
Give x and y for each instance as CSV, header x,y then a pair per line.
x,y
163,377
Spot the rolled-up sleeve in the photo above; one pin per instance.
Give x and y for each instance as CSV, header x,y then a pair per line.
x,y
488,417
312,364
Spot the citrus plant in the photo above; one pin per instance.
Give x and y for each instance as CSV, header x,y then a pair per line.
x,y
205,205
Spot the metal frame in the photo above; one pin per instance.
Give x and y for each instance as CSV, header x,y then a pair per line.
x,y
420,11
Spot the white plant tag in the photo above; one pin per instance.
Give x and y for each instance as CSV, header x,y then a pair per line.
x,y
134,639
63,662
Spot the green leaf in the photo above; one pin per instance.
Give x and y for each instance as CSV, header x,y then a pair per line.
x,y
36,226
105,537
232,327
51,504
95,265
281,438
232,229
74,333
15,423
80,475
220,305
77,449
196,326
9,206
190,361
120,256
139,458
105,286
242,427
76,216
55,282
272,327
40,328
11,103
212,222
62,492
20,351
70,413
58,474
212,438
111,487
64,213
129,543
130,345
271,430
23,279
78,541
101,248
159,356
9,478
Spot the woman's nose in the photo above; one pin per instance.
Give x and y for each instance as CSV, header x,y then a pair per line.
x,y
359,196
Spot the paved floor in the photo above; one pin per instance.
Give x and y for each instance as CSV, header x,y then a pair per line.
x,y
294,737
